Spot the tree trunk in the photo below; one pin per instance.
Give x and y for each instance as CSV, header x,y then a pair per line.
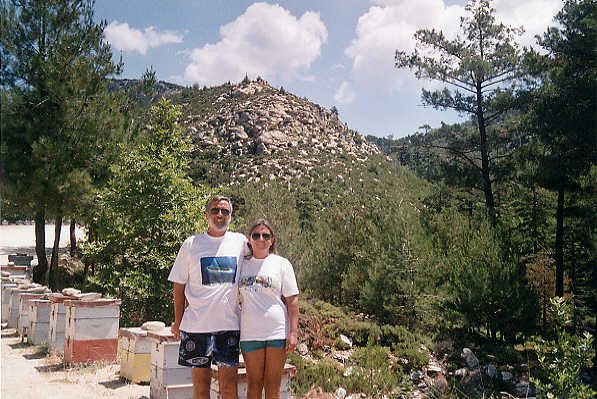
x,y
73,237
54,262
559,250
489,203
535,238
39,272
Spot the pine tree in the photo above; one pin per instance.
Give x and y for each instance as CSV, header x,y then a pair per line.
x,y
54,64
562,109
481,65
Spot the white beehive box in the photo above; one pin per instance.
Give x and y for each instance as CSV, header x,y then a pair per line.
x,y
39,321
5,300
23,312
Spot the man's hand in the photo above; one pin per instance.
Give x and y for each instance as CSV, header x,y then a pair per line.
x,y
175,330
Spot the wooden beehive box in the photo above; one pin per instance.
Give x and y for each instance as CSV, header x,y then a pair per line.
x,y
39,321
91,331
135,354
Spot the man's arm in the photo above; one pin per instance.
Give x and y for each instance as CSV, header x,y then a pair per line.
x,y
179,305
293,314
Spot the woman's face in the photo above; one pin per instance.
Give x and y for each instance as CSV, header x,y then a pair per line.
x,y
261,239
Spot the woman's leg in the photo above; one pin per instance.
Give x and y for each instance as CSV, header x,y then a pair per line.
x,y
255,362
275,358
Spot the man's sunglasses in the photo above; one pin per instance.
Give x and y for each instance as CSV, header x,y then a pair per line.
x,y
215,211
257,236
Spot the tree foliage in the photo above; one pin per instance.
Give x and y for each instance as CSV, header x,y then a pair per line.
x,y
143,215
54,64
561,110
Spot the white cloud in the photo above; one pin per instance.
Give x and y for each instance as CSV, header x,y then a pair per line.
x,y
389,25
266,40
122,37
345,94
534,15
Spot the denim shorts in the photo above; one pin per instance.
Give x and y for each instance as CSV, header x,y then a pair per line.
x,y
250,346
200,349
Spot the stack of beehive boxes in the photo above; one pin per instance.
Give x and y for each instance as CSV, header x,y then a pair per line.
x,y
168,379
39,321
23,318
14,301
5,297
91,331
134,347
57,322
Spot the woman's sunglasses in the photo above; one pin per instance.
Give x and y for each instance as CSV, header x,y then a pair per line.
x,y
215,211
257,236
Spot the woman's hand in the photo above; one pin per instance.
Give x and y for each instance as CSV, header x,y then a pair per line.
x,y
291,342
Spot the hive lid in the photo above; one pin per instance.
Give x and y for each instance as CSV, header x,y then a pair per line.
x,y
164,335
94,303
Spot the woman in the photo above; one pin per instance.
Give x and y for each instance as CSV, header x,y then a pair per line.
x,y
269,312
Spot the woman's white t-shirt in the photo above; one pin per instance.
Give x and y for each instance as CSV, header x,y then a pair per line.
x,y
209,267
262,284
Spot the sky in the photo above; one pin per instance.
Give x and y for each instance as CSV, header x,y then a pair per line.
x,y
333,52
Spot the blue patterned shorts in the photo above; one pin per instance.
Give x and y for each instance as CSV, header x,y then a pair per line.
x,y
200,349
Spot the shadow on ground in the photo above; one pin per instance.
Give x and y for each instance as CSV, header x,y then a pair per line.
x,y
50,368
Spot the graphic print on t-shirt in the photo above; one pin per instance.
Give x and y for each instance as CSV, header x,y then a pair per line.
x,y
218,269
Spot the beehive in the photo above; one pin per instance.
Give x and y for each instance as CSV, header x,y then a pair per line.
x,y
167,379
171,381
14,270
23,317
91,331
39,321
5,299
134,348
57,322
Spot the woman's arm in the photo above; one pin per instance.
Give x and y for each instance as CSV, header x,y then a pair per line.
x,y
293,314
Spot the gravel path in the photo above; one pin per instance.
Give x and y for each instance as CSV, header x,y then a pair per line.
x,y
28,372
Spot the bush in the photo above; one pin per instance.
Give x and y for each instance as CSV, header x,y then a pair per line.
x,y
142,217
562,359
487,286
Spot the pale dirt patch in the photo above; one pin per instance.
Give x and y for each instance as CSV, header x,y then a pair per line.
x,y
29,373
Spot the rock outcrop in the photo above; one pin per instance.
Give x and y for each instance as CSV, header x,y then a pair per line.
x,y
276,135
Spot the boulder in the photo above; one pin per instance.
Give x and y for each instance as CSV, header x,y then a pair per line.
x,y
471,360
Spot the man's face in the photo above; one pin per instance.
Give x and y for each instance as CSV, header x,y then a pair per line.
x,y
218,216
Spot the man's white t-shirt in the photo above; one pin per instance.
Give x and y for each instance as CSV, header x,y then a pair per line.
x,y
262,284
209,267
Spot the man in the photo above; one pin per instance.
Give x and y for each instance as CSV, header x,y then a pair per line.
x,y
205,273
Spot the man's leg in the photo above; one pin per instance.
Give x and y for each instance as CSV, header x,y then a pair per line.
x,y
201,382
255,361
275,358
227,379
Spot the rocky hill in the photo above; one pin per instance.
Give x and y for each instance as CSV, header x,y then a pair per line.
x,y
252,131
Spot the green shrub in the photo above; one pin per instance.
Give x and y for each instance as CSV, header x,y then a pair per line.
x,y
487,286
561,360
373,373
142,217
326,374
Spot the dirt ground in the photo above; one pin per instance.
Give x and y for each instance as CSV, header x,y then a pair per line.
x,y
27,372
